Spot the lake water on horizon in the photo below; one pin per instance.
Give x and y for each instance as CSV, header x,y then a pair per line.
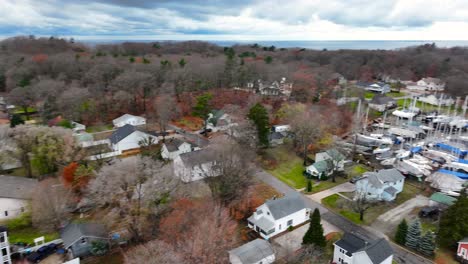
x,y
318,45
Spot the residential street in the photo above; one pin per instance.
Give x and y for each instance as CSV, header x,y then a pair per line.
x,y
344,187
400,255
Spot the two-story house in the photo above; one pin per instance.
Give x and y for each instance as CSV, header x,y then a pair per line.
x,y
432,84
196,165
5,257
382,185
326,163
352,249
277,215
174,147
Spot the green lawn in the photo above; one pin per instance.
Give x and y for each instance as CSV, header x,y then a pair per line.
x,y
424,107
28,234
98,128
341,206
288,167
369,95
21,110
357,170
324,185
395,94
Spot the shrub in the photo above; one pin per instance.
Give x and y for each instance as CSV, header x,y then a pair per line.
x,y
290,228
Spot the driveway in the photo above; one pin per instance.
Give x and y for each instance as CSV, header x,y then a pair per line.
x,y
401,255
389,220
344,187
291,241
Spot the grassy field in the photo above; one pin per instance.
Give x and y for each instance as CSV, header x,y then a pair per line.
x,y
288,167
369,95
21,110
424,107
356,170
395,94
324,185
342,206
28,234
98,128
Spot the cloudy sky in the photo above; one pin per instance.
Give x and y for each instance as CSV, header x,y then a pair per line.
x,y
238,19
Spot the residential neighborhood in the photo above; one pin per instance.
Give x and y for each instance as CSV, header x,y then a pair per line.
x,y
154,138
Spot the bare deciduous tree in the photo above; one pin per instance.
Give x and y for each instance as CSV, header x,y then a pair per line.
x,y
49,205
308,128
360,204
165,108
135,187
155,251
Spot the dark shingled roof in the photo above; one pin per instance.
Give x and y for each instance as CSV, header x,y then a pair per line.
x,y
198,157
381,99
16,187
73,232
121,133
254,251
173,144
3,229
377,250
285,206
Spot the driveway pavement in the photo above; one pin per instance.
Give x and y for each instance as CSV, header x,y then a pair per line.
x,y
344,187
291,241
389,220
401,255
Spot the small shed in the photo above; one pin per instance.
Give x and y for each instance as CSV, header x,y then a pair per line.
x,y
255,252
79,237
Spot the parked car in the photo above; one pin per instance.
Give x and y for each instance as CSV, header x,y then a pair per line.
x,y
429,211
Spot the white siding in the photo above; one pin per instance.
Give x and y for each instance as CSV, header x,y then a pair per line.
x,y
131,141
183,148
195,173
12,207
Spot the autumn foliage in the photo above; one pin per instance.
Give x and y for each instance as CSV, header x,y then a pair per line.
x,y
69,174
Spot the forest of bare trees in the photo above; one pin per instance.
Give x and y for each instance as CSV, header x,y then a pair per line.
x,y
96,83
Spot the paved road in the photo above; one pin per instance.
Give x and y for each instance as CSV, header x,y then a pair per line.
x,y
344,187
401,255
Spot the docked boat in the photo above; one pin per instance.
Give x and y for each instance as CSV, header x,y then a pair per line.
x,y
405,113
374,140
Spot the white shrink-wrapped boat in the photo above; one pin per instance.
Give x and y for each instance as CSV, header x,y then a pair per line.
x,y
404,113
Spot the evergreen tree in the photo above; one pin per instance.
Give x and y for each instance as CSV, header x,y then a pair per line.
x,y
427,245
400,236
16,120
309,186
203,107
258,114
454,222
413,237
314,234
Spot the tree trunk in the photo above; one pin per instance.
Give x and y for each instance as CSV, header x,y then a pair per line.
x,y
305,154
25,109
361,215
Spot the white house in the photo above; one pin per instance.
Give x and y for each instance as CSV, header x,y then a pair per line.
x,y
277,215
128,119
128,137
174,147
281,128
15,193
196,165
77,127
219,121
382,103
352,249
436,99
5,257
326,163
462,251
432,84
258,251
381,185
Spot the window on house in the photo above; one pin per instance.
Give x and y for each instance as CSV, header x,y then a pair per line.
x,y
2,239
279,227
4,252
290,222
83,240
369,193
6,213
268,213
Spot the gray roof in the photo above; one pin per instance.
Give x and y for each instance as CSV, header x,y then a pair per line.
x,y
377,250
173,144
465,240
262,222
121,133
377,179
276,135
382,99
16,187
74,231
198,157
391,190
285,206
254,251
